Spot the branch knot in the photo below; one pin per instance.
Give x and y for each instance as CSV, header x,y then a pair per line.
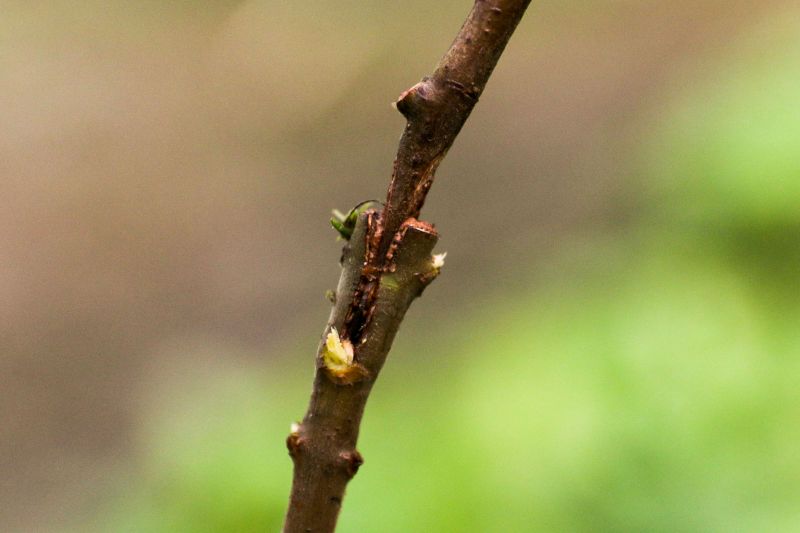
x,y
412,101
352,461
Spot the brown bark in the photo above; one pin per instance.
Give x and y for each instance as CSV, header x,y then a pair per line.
x,y
386,264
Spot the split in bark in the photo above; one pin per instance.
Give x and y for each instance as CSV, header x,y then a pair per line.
x,y
386,264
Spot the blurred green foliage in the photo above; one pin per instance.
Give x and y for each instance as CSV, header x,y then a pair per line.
x,y
647,382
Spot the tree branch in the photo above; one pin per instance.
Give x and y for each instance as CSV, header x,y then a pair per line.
x,y
437,107
386,264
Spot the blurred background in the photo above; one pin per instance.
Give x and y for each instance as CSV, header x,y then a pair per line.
x,y
613,344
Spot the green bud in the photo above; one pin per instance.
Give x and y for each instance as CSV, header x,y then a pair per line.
x,y
344,224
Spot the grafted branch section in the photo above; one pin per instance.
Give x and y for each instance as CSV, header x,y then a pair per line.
x,y
323,446
436,108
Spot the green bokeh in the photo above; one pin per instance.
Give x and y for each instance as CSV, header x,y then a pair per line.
x,y
647,381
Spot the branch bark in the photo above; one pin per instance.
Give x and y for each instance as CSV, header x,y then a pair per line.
x,y
386,264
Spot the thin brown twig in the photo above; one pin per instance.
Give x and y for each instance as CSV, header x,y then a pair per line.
x,y
386,264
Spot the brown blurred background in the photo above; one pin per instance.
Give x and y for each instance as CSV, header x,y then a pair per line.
x,y
167,169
